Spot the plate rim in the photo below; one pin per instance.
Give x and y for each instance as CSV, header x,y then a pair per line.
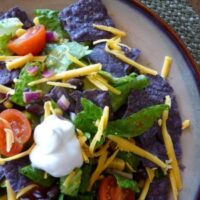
x,y
168,30
177,41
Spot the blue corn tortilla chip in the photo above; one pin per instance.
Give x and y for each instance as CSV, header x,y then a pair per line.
x,y
77,20
1,173
152,140
11,171
100,98
20,14
112,64
7,77
159,189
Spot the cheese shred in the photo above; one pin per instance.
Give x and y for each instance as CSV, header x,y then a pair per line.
x,y
18,156
84,71
9,139
185,124
6,90
69,178
59,84
110,29
126,145
12,58
101,127
10,193
170,148
166,67
25,190
19,62
147,183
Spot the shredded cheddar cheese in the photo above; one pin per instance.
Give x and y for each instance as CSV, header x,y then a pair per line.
x,y
19,62
9,139
118,164
102,150
10,193
147,183
170,148
75,60
69,178
173,185
6,90
18,156
25,190
84,71
185,124
126,145
59,84
101,127
12,58
110,29
20,32
166,67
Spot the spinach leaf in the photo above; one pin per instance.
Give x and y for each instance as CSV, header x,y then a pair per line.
x,y
71,188
57,59
125,85
86,119
22,83
4,39
130,158
137,123
127,183
37,176
87,171
49,18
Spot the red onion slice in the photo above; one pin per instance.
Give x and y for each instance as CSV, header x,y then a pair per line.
x,y
33,70
32,96
51,36
48,73
63,103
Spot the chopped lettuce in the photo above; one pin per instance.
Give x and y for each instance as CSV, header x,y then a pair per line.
x,y
125,85
87,171
8,26
22,83
49,18
57,59
37,176
137,123
86,119
4,39
129,158
72,187
127,183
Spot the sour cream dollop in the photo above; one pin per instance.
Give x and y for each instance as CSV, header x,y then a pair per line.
x,y
57,149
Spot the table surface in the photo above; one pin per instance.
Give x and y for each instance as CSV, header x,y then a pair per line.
x,y
184,18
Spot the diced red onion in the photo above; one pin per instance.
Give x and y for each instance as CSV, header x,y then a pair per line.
x,y
32,70
63,103
48,73
32,96
51,36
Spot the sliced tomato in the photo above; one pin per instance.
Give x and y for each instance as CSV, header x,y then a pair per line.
x,y
20,125
16,146
33,41
109,190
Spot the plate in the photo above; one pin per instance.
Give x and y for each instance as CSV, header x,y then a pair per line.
x,y
155,39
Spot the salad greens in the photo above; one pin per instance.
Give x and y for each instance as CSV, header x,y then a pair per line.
x,y
57,59
137,123
127,183
23,80
71,188
37,176
49,18
4,39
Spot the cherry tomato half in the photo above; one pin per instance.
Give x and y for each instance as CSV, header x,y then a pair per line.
x,y
19,124
33,41
108,190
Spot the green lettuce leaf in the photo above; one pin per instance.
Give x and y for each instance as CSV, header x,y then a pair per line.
x,y
137,123
49,18
72,188
37,176
57,59
86,119
22,83
87,171
127,183
129,158
9,26
125,85
4,39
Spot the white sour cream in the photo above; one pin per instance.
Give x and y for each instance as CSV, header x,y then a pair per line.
x,y
57,149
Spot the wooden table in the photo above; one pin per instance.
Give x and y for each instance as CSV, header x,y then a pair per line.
x,y
195,5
